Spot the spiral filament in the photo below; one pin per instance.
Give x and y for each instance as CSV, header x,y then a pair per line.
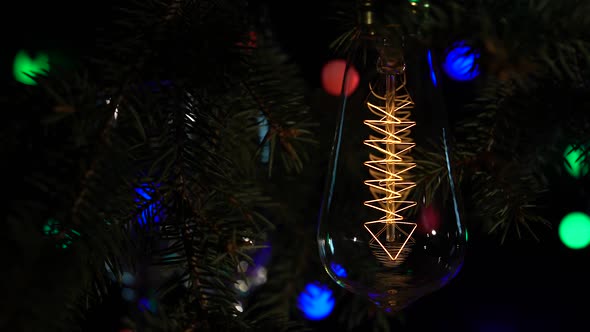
x,y
388,166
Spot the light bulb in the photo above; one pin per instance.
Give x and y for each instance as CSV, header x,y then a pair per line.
x,y
391,212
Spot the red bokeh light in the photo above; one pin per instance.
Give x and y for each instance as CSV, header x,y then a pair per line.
x,y
333,76
429,219
251,41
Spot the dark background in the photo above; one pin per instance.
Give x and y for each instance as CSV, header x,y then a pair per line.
x,y
522,285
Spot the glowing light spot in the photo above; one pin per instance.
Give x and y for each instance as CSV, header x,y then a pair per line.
x,y
51,227
316,301
242,286
461,62
239,307
331,244
432,73
25,68
153,210
338,270
575,161
333,80
429,219
574,230
260,276
147,304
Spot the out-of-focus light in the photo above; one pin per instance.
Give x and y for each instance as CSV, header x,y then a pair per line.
x,y
432,73
147,304
153,210
460,62
242,286
127,278
263,128
316,301
575,163
259,277
25,68
333,80
338,270
574,230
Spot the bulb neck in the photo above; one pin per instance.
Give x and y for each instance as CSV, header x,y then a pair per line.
x,y
391,59
387,41
366,18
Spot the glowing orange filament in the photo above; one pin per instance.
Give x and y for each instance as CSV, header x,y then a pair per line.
x,y
390,163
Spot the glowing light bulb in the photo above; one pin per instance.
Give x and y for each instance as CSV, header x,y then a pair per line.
x,y
397,242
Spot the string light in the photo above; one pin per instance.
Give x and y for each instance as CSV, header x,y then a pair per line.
x,y
389,166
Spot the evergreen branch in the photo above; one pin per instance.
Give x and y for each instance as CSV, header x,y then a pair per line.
x,y
286,113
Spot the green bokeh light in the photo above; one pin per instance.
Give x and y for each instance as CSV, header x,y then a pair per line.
x,y
574,230
51,227
574,163
64,239
25,68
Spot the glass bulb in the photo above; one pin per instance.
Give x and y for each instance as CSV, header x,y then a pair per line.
x,y
390,226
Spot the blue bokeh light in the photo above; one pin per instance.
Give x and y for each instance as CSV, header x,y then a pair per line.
x,y
461,62
147,304
432,73
153,210
316,301
338,270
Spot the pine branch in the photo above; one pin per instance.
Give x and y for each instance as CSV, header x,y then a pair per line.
x,y
282,103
